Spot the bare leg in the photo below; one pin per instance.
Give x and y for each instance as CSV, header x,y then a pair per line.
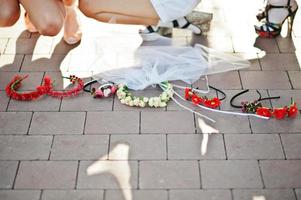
x,y
123,11
47,16
9,12
72,32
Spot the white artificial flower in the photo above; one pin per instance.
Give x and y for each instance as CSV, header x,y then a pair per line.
x,y
164,96
145,99
136,102
106,92
157,102
128,99
131,103
163,104
170,93
122,101
151,102
142,104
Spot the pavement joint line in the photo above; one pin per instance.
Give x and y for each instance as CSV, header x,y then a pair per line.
x,y
261,176
76,177
51,146
15,178
282,146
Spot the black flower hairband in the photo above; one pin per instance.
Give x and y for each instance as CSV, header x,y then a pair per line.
x,y
257,108
106,89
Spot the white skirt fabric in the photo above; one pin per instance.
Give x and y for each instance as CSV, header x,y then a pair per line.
x,y
169,10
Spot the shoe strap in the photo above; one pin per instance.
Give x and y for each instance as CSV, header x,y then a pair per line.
x,y
187,23
269,25
150,29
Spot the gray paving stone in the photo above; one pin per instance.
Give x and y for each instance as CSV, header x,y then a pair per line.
x,y
277,62
7,173
286,45
85,102
4,99
291,144
107,174
265,80
33,80
20,194
14,122
200,194
285,97
167,122
254,146
137,194
17,30
279,194
281,173
10,62
267,45
276,126
81,147
295,77
72,195
46,175
221,42
29,46
44,103
24,147
57,123
239,124
43,62
141,147
112,122
169,175
244,44
230,174
189,146
227,80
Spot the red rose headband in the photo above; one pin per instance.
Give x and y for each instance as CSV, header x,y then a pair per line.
x,y
257,108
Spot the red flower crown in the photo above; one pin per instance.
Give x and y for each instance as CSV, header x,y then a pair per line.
x,y
46,88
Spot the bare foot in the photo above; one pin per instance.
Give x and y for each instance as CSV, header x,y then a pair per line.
x,y
72,31
29,26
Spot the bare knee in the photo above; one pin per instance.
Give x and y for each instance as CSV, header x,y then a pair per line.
x,y
9,15
87,8
50,26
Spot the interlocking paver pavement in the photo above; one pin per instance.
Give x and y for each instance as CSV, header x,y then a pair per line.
x,y
230,174
25,147
7,172
20,194
46,175
281,173
86,148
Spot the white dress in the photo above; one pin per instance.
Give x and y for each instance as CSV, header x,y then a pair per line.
x,y
169,10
